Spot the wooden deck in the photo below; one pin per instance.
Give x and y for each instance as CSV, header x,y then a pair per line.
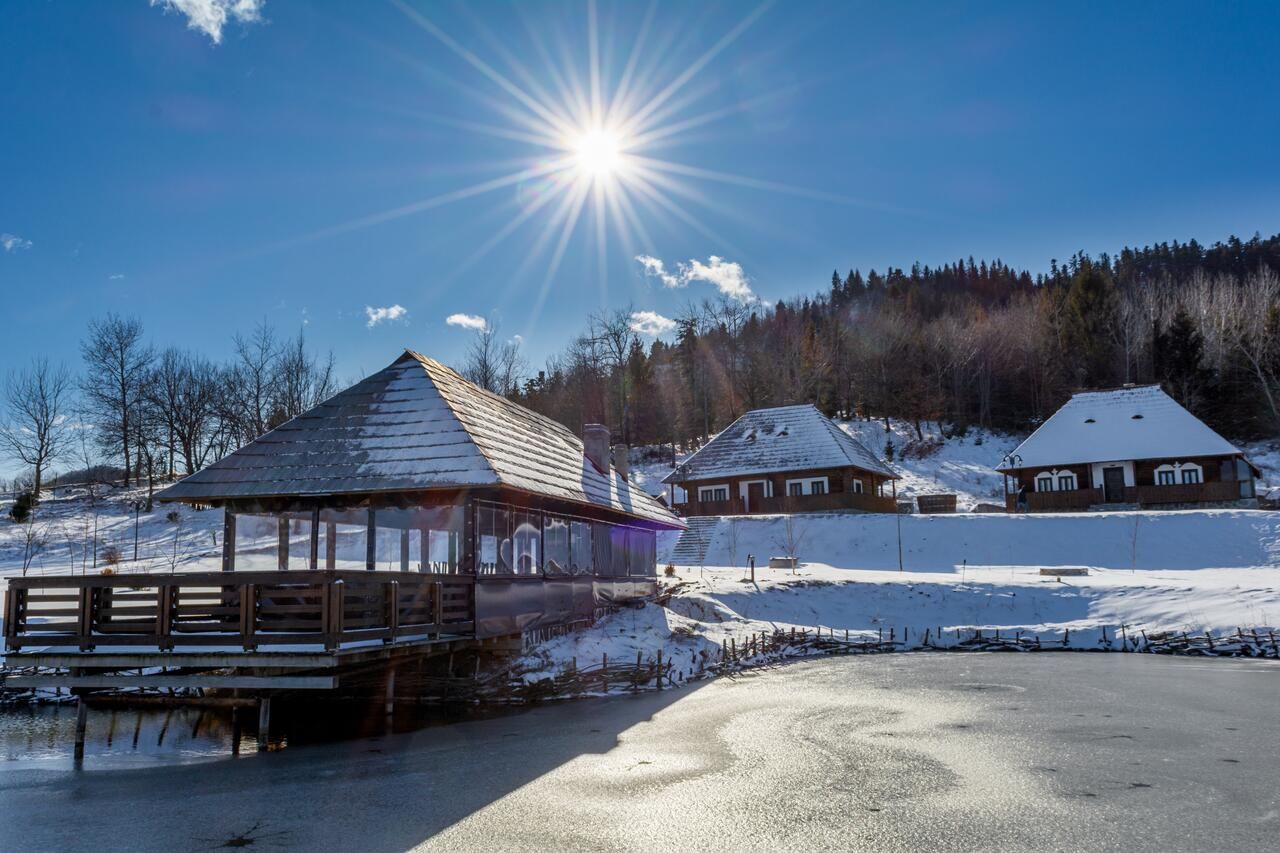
x,y
1080,500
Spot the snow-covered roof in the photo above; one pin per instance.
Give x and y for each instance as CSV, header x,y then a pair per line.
x,y
1122,424
786,438
412,426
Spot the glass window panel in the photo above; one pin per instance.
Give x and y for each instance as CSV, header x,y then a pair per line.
x,y
1191,476
580,547
527,538
617,552
349,530
555,543
257,538
300,542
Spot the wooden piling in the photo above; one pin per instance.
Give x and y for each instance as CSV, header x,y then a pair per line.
x,y
264,722
82,726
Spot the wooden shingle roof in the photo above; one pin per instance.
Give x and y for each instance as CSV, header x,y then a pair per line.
x,y
413,426
784,438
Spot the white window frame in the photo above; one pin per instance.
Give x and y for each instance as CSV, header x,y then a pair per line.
x,y
1070,477
858,487
806,485
702,490
1042,478
1171,470
1186,469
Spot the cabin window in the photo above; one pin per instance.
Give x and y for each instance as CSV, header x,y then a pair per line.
x,y
1191,475
1066,482
526,542
1044,483
555,545
442,552
857,487
580,547
1166,476
493,533
807,486
713,494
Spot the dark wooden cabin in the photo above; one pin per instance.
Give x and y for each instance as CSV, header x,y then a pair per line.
x,y
783,460
1125,447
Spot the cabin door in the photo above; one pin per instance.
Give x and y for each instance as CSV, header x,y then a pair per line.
x,y
755,494
1113,485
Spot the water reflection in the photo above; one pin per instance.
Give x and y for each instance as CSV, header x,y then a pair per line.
x,y
132,737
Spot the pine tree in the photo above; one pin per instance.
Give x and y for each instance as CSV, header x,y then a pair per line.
x,y
1178,354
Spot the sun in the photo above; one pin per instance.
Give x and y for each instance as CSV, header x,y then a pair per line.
x,y
597,153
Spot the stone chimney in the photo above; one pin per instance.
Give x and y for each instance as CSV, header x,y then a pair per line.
x,y
595,445
621,460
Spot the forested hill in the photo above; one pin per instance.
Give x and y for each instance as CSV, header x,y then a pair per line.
x,y
967,343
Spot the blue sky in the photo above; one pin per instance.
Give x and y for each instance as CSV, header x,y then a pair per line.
x,y
300,167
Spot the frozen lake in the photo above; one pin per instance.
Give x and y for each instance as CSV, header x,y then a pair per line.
x,y
1050,751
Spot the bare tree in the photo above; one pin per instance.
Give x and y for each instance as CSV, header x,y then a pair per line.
x,y
37,431
492,363
251,381
302,381
116,360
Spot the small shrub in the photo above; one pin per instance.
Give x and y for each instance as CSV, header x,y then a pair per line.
x,y
110,557
670,570
21,509
888,450
173,516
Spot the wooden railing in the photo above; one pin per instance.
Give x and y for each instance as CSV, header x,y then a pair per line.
x,y
241,609
792,503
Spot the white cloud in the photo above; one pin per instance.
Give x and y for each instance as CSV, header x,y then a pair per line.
x,y
654,268
115,276
380,315
468,321
12,242
727,276
651,323
210,16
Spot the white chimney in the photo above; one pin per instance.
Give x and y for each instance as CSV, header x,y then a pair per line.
x,y
595,445
621,460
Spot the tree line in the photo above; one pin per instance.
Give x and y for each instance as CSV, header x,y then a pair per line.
x,y
963,344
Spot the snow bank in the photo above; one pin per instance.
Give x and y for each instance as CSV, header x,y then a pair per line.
x,y
711,606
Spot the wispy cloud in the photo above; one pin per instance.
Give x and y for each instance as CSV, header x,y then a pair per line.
x,y
383,315
728,276
467,321
115,276
655,268
12,242
651,323
210,16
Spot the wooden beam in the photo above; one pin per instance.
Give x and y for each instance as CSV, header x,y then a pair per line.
x,y
228,540
371,541
330,546
313,556
404,550
226,682
282,543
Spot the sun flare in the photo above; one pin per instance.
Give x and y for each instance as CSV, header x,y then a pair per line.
x,y
597,153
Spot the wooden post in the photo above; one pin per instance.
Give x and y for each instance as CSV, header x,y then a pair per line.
x,y
392,598
228,540
86,619
248,616
235,731
313,553
404,550
330,545
82,725
264,722
389,697
164,616
371,542
282,542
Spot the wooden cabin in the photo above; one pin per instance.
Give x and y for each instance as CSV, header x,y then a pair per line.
x,y
1126,447
411,507
783,460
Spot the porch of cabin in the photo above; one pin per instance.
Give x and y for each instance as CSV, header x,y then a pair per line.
x,y
819,490
1151,483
